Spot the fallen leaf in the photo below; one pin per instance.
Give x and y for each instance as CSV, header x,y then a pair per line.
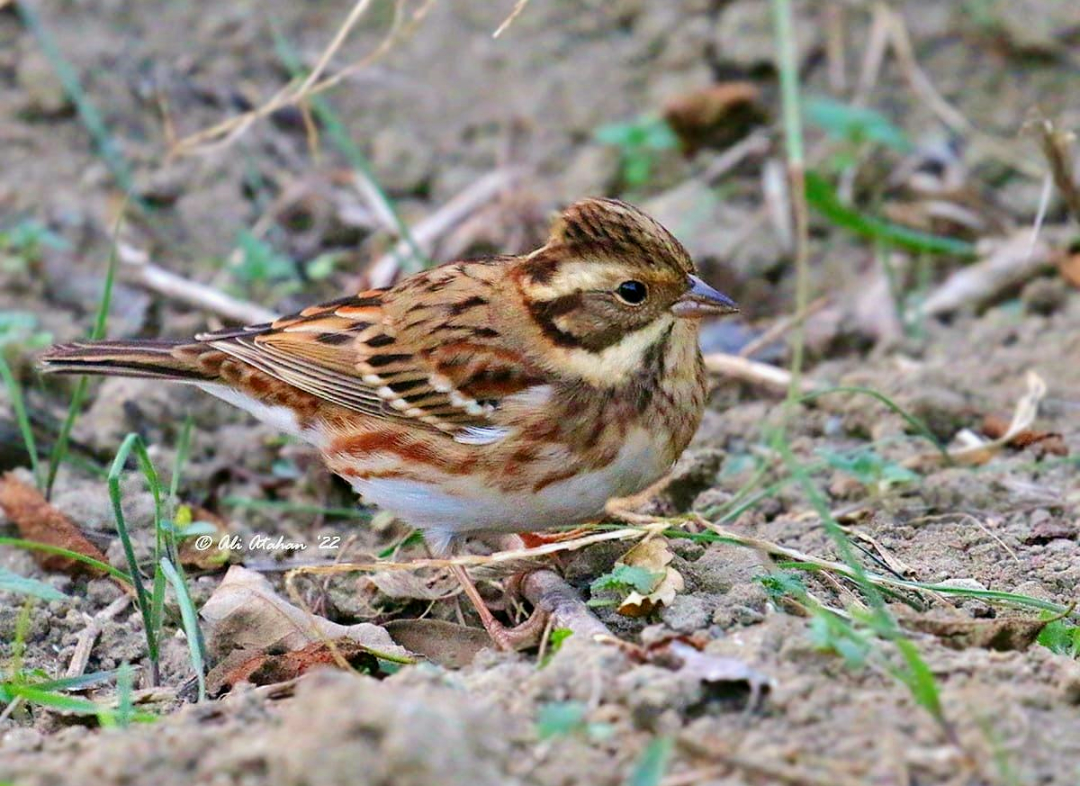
x,y
714,116
975,451
996,427
653,555
265,669
245,613
415,585
40,522
450,645
1069,265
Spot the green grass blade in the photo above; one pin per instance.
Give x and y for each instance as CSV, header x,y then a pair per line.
x,y
32,545
190,618
822,197
21,417
913,421
72,704
22,585
653,763
157,603
125,683
88,113
77,683
183,448
132,442
919,679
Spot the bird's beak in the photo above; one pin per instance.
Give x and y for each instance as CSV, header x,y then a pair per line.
x,y
701,300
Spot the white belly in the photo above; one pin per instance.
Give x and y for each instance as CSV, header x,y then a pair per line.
x,y
461,504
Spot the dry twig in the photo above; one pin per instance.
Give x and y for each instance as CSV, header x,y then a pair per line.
x,y
547,590
1057,146
85,643
426,233
139,270
780,327
754,372
519,7
1014,261
229,130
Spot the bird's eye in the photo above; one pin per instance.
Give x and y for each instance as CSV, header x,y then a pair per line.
x,y
632,292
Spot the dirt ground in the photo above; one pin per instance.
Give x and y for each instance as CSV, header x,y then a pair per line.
x,y
445,107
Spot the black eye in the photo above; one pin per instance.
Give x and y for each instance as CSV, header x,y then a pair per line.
x,y
632,292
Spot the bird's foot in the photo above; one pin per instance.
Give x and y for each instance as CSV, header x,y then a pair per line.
x,y
519,637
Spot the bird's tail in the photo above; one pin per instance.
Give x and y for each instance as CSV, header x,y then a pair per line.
x,y
172,360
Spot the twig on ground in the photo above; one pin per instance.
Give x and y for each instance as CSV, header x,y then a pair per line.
x,y
835,50
229,130
787,65
85,643
548,591
519,7
877,44
138,270
754,145
754,372
1057,146
384,270
514,558
780,327
951,116
1014,261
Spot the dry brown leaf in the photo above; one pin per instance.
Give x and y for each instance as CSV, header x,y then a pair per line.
x,y
977,451
653,555
264,669
450,645
245,613
406,585
714,116
995,427
40,522
685,656
1069,265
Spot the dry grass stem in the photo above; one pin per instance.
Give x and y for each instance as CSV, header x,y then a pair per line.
x,y
383,271
84,645
1057,146
226,132
754,372
519,7
756,145
782,326
138,270
920,84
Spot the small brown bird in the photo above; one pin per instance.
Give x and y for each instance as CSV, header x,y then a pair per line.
x,y
509,394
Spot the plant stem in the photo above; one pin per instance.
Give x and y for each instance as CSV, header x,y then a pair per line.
x,y
793,138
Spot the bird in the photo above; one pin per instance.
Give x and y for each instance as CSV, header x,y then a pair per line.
x,y
508,394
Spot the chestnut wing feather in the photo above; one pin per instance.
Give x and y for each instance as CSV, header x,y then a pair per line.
x,y
435,360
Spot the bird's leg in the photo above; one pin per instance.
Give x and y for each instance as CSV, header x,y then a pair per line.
x,y
506,639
